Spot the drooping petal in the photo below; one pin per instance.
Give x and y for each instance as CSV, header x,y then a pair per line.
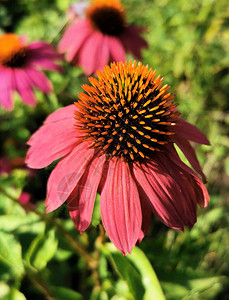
x,y
74,34
202,195
24,87
38,49
117,52
90,52
146,218
51,142
174,157
43,55
45,63
187,131
74,37
201,192
169,191
81,201
132,40
120,206
146,211
39,80
104,54
190,154
6,88
66,175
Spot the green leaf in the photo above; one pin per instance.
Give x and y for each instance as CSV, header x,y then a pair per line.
x,y
63,5
11,264
96,215
6,203
186,286
14,295
149,278
13,222
4,289
127,271
42,250
136,269
63,293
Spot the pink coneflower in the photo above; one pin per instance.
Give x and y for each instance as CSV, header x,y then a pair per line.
x,y
118,140
102,36
19,68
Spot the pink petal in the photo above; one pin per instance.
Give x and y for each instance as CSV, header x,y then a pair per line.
x,y
132,41
201,191
117,52
104,54
70,36
6,88
44,63
174,157
66,175
169,192
74,37
43,55
81,201
146,218
24,87
50,142
39,80
90,53
120,206
187,131
190,154
42,49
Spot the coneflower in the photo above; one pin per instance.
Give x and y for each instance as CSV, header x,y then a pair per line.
x,y
118,140
101,36
20,65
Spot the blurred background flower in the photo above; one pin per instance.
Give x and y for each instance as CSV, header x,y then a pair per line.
x,y
19,68
103,35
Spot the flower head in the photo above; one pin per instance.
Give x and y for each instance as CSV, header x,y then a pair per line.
x,y
102,36
18,68
118,140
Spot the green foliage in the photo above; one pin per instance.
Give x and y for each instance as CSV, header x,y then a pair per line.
x,y
41,255
137,271
11,264
42,250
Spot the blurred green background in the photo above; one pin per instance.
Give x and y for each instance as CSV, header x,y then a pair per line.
x,y
39,258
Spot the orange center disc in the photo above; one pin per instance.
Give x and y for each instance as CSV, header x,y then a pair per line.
x,y
12,51
107,16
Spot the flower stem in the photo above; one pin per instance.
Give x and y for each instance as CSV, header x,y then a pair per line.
x,y
39,283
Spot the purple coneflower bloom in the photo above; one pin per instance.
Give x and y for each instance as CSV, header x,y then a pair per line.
x,y
102,36
20,65
118,140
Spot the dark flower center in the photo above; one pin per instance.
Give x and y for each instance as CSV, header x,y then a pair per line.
x,y
109,18
12,51
126,112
